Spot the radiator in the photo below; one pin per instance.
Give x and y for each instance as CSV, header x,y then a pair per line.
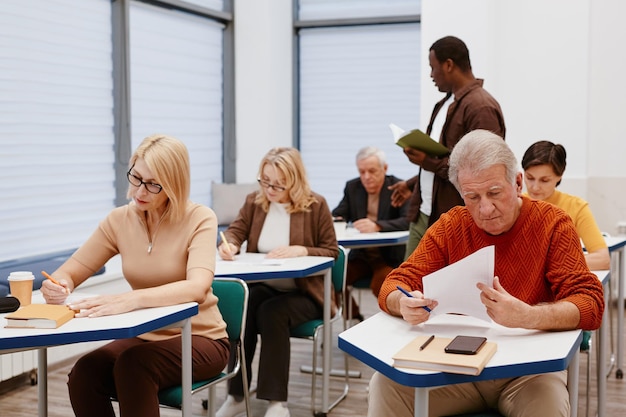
x,y
17,363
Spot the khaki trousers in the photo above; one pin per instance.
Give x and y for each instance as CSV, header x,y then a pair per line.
x,y
543,395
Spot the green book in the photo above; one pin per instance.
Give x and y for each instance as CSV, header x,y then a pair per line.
x,y
419,140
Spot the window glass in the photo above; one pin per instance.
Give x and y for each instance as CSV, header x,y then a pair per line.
x,y
354,82
177,87
56,106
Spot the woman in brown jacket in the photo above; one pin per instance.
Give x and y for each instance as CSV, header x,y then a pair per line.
x,y
284,219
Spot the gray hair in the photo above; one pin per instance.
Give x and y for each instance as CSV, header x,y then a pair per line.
x,y
371,151
479,150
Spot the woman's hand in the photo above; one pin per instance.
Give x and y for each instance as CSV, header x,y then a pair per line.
x,y
288,252
227,251
105,305
56,294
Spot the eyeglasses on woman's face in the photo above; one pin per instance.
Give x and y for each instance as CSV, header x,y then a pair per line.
x,y
267,184
138,182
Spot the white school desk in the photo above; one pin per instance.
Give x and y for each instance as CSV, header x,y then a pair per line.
x,y
119,326
520,352
364,240
249,267
618,272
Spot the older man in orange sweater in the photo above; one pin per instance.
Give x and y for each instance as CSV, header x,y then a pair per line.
x,y
542,281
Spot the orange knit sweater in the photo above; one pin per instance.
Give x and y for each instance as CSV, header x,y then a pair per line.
x,y
538,260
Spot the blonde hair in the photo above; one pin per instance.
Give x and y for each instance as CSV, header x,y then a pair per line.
x,y
168,159
289,163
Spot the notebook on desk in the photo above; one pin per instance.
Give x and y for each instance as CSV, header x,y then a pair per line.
x,y
433,357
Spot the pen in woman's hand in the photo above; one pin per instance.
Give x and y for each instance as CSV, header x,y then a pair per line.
x,y
226,243
408,294
45,274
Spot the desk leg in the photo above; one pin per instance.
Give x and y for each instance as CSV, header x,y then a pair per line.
x,y
187,370
42,381
421,402
620,312
601,372
327,341
572,383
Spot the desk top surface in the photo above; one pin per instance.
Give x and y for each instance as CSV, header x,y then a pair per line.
x,y
351,240
254,266
520,352
615,242
119,326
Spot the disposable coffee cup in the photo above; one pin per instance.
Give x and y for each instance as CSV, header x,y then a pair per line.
x,y
21,286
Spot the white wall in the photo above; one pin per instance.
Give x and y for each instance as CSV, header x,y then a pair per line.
x,y
263,81
553,66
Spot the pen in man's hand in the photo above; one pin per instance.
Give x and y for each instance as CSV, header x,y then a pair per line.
x,y
427,342
408,294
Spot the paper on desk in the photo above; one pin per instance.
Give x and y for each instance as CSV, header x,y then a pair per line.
x,y
262,261
454,287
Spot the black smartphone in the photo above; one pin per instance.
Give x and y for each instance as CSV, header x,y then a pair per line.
x,y
465,345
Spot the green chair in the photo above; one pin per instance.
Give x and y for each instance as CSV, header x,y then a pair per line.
x,y
312,329
233,304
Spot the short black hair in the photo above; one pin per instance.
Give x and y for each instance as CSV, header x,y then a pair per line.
x,y
451,47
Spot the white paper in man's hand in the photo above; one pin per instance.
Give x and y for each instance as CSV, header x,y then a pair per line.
x,y
454,287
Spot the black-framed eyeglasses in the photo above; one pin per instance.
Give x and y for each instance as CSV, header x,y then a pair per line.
x,y
266,184
137,182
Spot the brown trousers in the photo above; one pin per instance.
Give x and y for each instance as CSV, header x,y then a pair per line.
x,y
134,370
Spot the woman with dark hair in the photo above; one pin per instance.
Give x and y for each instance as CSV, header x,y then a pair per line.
x,y
544,165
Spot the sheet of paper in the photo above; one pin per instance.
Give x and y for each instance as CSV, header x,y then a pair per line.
x,y
396,131
454,287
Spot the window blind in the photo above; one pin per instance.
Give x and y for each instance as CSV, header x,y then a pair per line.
x,y
354,81
176,69
333,9
56,176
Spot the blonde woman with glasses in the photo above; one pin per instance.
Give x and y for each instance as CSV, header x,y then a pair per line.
x,y
167,247
283,219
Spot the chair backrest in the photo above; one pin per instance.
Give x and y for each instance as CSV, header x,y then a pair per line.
x,y
338,272
233,304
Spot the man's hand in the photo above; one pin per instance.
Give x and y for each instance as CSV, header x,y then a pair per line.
x,y
401,193
505,309
415,156
412,308
366,226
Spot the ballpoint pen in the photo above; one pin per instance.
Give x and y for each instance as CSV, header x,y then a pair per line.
x,y
408,294
427,342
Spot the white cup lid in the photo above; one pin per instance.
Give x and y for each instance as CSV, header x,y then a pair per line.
x,y
21,276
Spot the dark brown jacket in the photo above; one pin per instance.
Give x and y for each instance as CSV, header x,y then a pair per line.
x,y
312,229
473,108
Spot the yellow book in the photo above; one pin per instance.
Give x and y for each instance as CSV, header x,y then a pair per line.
x,y
434,357
40,316
419,140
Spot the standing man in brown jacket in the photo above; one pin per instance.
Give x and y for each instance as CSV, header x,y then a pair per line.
x,y
467,106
